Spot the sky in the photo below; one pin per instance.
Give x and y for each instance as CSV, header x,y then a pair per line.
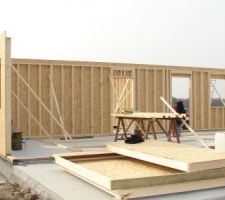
x,y
169,32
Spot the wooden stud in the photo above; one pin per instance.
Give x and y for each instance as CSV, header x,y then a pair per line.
x,y
146,91
51,99
62,92
82,99
29,108
101,96
18,93
73,104
154,85
92,108
40,120
202,111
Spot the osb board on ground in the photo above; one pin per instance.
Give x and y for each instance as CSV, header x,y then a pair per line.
x,y
112,171
177,156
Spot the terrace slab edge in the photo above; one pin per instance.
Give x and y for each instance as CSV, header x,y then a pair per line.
x,y
178,156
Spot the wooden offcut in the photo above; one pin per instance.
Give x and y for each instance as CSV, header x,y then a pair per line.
x,y
173,155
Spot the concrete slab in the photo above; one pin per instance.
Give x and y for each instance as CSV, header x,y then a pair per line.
x,y
52,182
55,183
2,179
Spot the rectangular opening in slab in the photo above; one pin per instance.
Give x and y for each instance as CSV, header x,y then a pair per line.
x,y
113,171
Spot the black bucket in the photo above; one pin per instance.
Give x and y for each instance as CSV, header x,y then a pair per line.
x,y
16,140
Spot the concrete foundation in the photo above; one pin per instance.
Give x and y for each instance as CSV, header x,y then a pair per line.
x,y
51,182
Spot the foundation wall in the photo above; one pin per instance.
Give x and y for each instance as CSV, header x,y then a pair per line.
x,y
85,96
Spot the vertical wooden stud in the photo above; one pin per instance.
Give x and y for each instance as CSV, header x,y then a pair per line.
x,y
101,78
40,120
92,108
73,104
51,99
154,85
29,117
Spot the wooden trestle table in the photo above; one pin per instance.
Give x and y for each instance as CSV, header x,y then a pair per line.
x,y
140,117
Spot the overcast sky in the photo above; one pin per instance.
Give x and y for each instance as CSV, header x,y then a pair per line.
x,y
171,32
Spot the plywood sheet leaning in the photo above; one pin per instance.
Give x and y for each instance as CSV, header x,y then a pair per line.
x,y
117,174
173,155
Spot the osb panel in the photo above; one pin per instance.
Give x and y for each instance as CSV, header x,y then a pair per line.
x,y
106,101
97,100
128,168
45,91
34,104
187,157
130,173
67,112
77,100
86,95
57,83
23,95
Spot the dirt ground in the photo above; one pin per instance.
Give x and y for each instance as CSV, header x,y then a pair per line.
x,y
12,191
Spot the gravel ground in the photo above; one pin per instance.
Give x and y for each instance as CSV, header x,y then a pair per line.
x,y
12,191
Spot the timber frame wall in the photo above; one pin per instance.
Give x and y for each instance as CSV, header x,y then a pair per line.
x,y
84,95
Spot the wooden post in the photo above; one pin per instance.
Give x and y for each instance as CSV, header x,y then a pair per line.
x,y
5,111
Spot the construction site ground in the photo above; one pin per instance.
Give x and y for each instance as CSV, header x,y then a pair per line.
x,y
50,181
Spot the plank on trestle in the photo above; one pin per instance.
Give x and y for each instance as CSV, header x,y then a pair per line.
x,y
173,155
